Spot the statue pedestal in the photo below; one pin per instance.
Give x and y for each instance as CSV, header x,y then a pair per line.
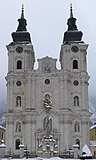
x,y
75,150
2,150
21,146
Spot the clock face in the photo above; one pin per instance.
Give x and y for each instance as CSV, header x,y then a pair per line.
x,y
19,49
75,49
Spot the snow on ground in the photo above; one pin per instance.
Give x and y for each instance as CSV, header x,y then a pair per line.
x,y
39,158
42,159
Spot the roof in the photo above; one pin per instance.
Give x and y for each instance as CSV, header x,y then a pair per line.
x,y
93,143
1,127
92,127
86,150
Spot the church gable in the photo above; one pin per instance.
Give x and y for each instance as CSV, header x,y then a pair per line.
x,y
47,65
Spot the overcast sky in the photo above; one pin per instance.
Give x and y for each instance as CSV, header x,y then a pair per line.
x,y
47,22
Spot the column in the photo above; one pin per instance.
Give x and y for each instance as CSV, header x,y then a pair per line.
x,y
83,95
28,132
66,136
33,88
65,93
61,93
9,136
10,104
28,92
33,136
62,134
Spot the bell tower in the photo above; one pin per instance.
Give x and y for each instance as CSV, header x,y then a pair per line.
x,y
74,67
21,58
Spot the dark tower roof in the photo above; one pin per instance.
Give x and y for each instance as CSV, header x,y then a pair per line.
x,y
21,34
72,34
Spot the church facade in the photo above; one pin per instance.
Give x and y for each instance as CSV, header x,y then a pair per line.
x,y
47,108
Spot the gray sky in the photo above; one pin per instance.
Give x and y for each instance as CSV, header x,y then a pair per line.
x,y
47,22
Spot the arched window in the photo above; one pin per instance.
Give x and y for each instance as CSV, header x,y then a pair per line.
x,y
75,64
77,127
19,64
77,141
18,101
17,143
76,101
18,126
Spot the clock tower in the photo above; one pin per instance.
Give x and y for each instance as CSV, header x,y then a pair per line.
x,y
21,58
75,108
47,108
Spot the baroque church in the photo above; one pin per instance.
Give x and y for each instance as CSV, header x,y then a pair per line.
x,y
47,108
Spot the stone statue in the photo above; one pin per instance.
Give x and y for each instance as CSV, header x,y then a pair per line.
x,y
76,101
18,101
47,101
47,122
18,127
47,69
47,125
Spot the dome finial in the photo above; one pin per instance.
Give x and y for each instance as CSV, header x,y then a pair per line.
x,y
72,33
21,34
22,13
71,13
22,21
71,21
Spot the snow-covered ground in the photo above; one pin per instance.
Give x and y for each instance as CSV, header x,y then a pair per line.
x,y
39,158
85,150
55,158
